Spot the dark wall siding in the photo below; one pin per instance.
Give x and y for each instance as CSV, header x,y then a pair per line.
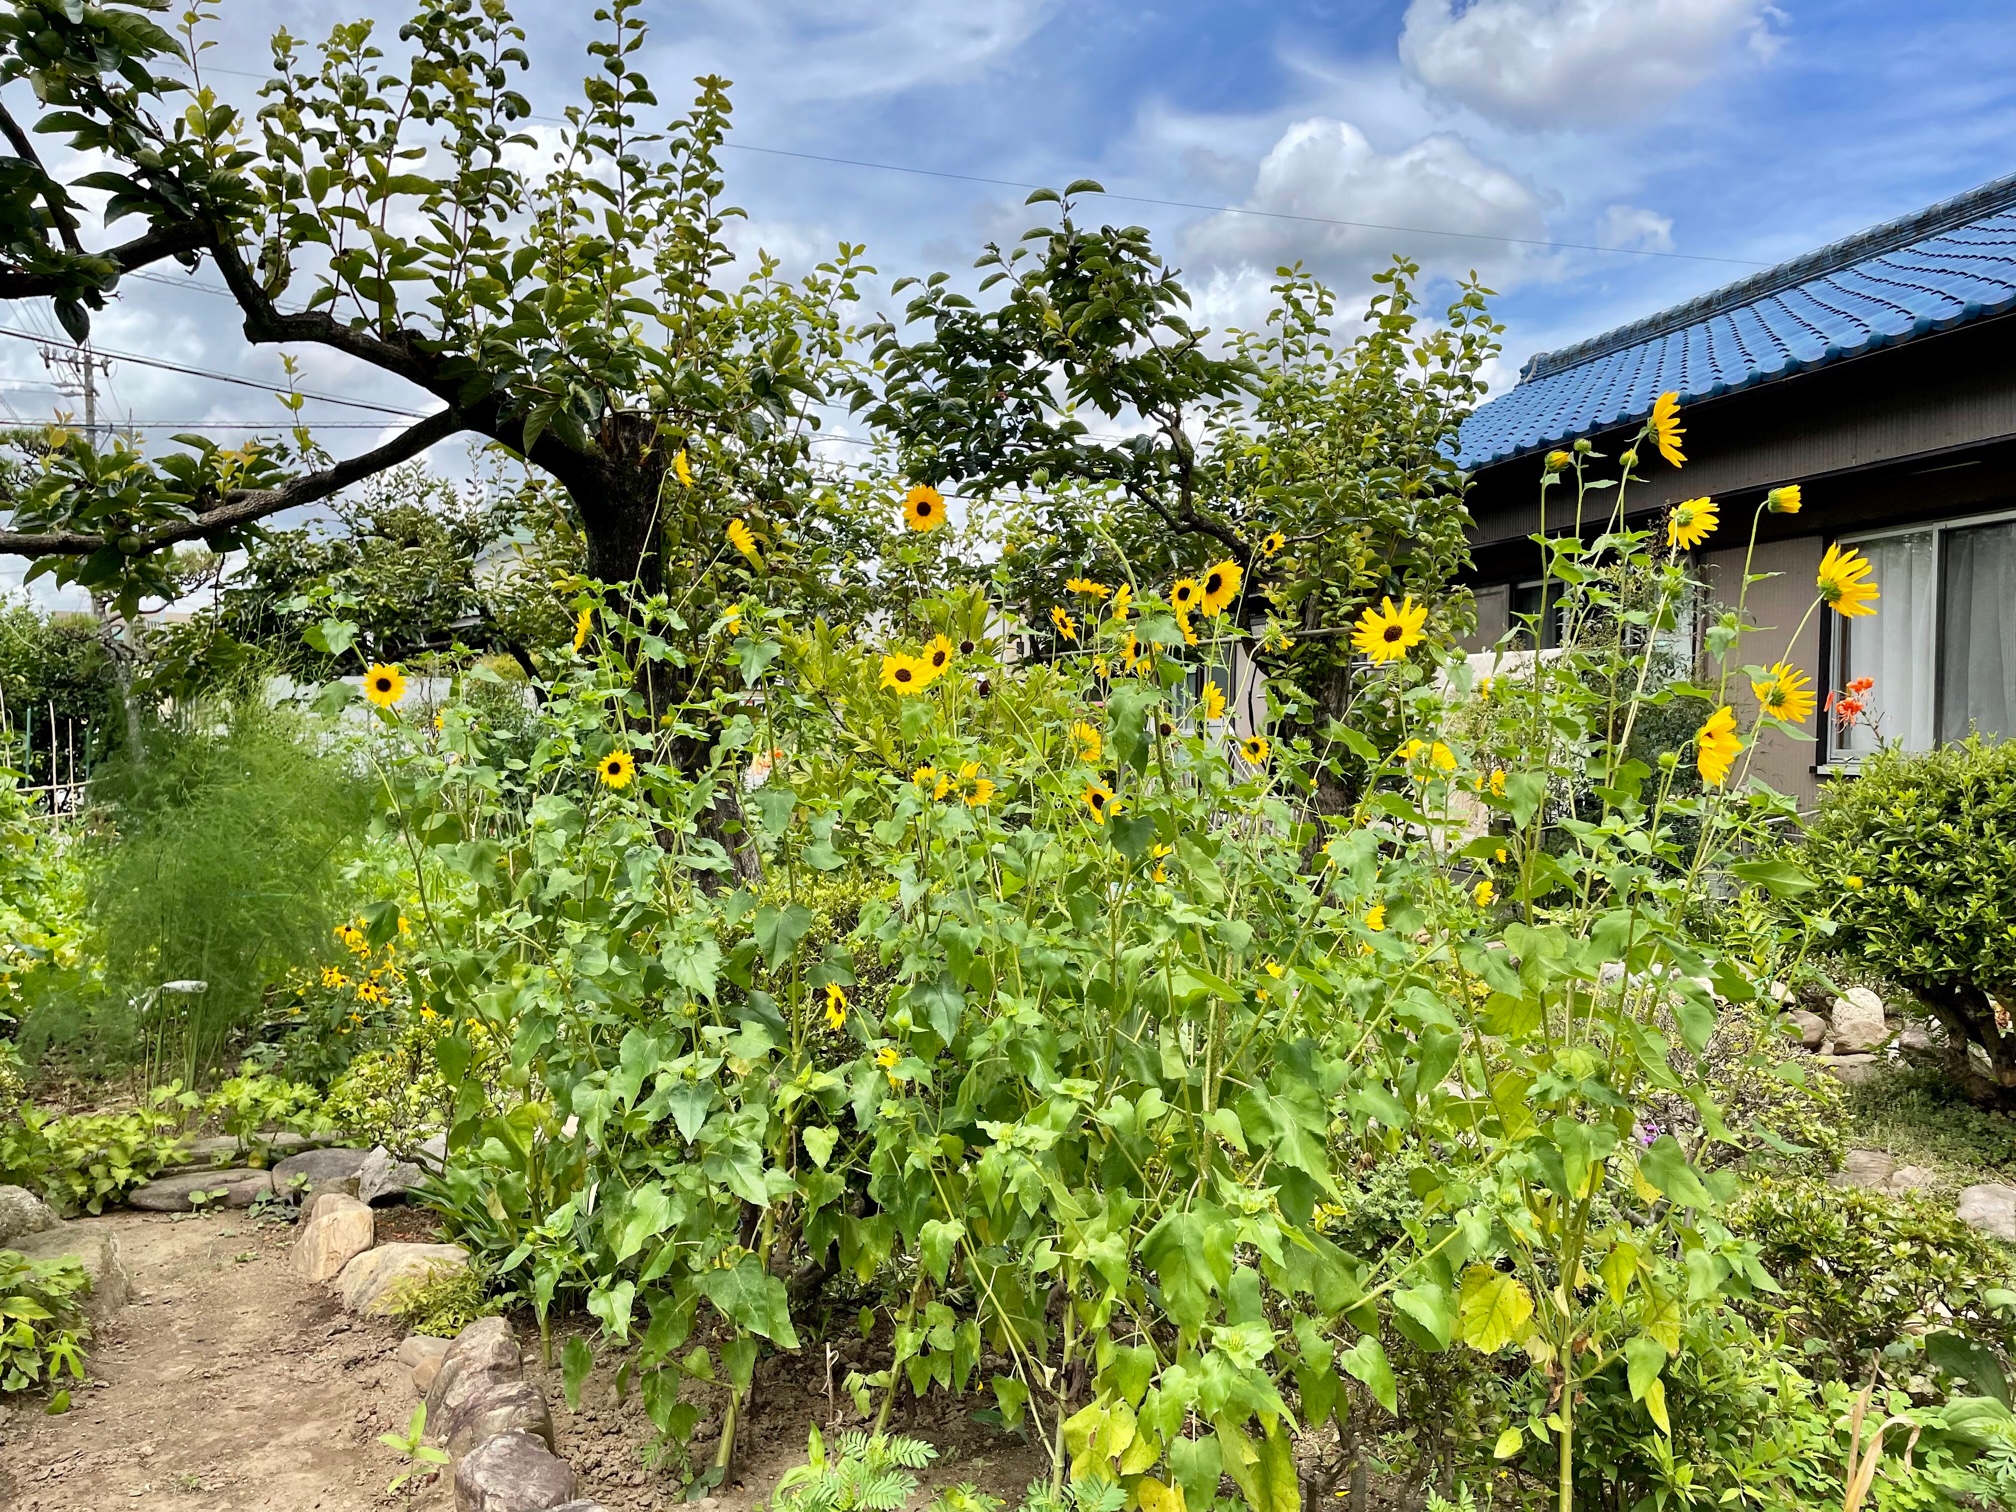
x,y
1774,609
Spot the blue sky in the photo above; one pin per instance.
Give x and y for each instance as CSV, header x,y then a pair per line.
x,y
1694,129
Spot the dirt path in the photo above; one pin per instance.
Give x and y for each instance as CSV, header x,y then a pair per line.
x,y
227,1384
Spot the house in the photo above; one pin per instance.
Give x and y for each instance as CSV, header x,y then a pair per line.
x,y
1879,374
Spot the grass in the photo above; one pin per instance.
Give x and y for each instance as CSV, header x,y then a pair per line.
x,y
1917,1116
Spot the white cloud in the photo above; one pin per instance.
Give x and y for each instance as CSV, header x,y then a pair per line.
x,y
1635,228
1575,62
1328,170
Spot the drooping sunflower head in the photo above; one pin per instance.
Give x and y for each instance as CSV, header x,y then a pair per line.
x,y
1784,500
743,539
1691,523
582,621
1785,693
384,685
1256,749
905,674
681,468
1375,917
1716,746
1843,582
1666,429
616,769
1185,594
1557,461
1221,586
923,508
1386,634
1272,542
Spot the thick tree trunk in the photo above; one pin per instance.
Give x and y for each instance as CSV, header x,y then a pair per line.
x,y
1969,1017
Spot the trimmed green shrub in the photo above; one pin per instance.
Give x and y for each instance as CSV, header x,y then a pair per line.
x,y
1921,852
42,1326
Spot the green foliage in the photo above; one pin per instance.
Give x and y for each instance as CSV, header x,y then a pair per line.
x,y
1932,839
864,1473
220,864
253,1102
1919,1116
412,1445
446,1303
1865,1275
396,1096
42,1324
56,666
84,1161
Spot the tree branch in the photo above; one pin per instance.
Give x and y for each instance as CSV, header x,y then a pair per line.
x,y
159,242
244,506
52,194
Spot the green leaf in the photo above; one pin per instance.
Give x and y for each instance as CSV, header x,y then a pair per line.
x,y
1779,878
576,1360
1644,1358
1971,1361
1666,1167
1655,1404
751,1298
1428,1308
778,931
1265,1474
1366,1361
1509,1443
819,1142
1494,1310
332,637
1011,1396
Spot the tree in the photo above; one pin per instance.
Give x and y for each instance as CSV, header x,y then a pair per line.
x,y
584,318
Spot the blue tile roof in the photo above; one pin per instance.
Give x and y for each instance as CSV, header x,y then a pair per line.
x,y
1940,268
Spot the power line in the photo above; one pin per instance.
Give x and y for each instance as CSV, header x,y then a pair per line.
x,y
217,377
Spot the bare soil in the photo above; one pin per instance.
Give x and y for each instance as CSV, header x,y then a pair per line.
x,y
228,1385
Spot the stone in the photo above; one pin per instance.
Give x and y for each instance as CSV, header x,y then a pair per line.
x,y
328,1170
170,1194
483,1354
1877,1172
336,1231
379,1280
1854,1070
22,1212
500,1407
94,1247
421,1354
1990,1208
1811,1028
1858,1021
1915,1039
1780,994
382,1179
514,1472
1912,1179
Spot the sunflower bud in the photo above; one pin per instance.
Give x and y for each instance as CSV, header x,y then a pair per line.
x,y
1784,500
1629,460
1584,447
1556,460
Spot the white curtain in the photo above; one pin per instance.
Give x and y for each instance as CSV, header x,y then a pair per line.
x,y
1895,646
1977,682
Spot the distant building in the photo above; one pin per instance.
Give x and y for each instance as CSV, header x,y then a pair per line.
x,y
1879,374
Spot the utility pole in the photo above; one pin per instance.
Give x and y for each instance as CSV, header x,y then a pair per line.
x,y
77,373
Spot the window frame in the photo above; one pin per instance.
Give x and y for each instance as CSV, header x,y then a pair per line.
x,y
1834,659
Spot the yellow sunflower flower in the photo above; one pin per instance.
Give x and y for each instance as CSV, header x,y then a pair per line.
x,y
1483,893
1255,749
836,1006
1375,917
923,509
384,685
1386,633
1134,655
1185,594
1099,798
1691,523
1123,601
938,655
1441,757
1189,635
1272,542
1158,853
1842,582
982,793
1784,500
904,673
1557,461
1066,626
743,539
1666,428
1717,746
1089,742
1212,700
681,468
616,769
1221,586
924,776
1785,693
581,623
1090,587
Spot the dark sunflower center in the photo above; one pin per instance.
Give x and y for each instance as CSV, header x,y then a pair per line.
x,y
1394,632
965,648
902,674
937,658
1212,583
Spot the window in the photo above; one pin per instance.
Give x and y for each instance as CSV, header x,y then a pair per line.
x,y
1942,647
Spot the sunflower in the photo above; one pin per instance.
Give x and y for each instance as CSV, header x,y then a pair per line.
x,y
1666,427
1099,798
332,976
1212,701
1441,758
1784,500
1717,746
938,655
1185,594
924,776
1159,853
1387,634
1558,461
905,673
1221,586
616,769
1183,624
836,1006
982,793
1496,782
732,620
1272,542
1375,917
1785,694
1255,749
681,468
1089,743
1123,600
743,539
1483,893
1090,587
923,509
1691,523
1842,585
1134,656
384,685
1066,627
581,623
